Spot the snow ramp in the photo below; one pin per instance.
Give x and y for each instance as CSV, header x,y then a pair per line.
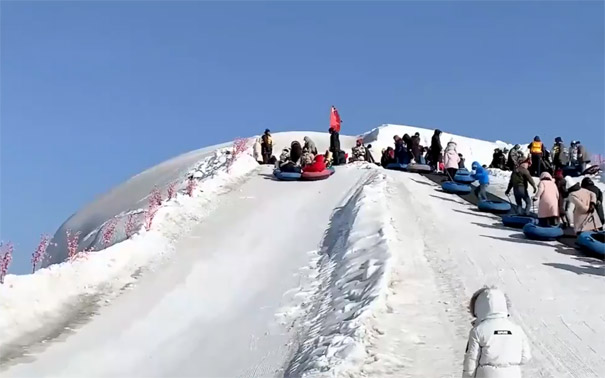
x,y
211,309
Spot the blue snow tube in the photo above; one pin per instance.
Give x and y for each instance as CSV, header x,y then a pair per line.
x,y
517,221
463,176
286,176
593,242
494,206
535,232
455,188
397,166
419,168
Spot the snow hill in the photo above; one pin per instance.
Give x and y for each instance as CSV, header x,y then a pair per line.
x,y
367,273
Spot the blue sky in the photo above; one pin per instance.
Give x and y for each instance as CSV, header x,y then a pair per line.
x,y
93,93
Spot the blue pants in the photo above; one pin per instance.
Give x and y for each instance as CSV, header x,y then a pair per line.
x,y
481,192
521,195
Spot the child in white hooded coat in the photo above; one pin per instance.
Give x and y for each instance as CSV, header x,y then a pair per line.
x,y
497,347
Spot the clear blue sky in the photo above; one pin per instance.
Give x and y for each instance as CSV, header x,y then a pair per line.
x,y
93,93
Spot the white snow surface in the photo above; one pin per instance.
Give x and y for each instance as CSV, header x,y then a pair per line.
x,y
366,274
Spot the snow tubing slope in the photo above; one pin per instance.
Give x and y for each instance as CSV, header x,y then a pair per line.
x,y
396,166
286,176
316,176
592,242
517,221
455,188
494,206
419,168
534,232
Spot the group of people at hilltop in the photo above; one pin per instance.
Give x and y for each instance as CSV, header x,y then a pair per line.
x,y
540,159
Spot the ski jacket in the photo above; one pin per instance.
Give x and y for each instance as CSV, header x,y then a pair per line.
x,y
521,178
535,148
496,347
548,195
436,147
583,220
451,158
310,146
318,165
480,174
334,144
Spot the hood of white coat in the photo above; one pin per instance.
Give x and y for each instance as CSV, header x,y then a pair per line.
x,y
491,303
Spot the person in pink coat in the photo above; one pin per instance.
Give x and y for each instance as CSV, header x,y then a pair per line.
x,y
451,160
548,197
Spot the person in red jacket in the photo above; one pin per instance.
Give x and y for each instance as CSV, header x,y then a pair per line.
x,y
318,165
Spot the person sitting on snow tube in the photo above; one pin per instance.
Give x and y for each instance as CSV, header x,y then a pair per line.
x,y
285,164
318,165
306,158
585,216
548,197
451,160
481,175
401,151
358,152
388,157
309,146
295,152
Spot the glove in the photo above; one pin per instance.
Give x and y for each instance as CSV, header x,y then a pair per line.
x,y
507,192
591,208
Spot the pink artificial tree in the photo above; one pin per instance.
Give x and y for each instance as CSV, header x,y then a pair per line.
x,y
191,184
40,251
239,146
170,190
72,244
155,200
6,256
109,231
130,226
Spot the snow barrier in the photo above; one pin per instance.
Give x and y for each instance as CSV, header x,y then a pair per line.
x,y
592,242
535,232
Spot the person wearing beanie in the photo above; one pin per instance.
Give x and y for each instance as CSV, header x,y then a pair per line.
x,y
560,157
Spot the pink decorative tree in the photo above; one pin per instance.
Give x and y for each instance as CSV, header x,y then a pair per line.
x,y
72,244
109,231
170,190
6,256
40,251
130,226
155,200
191,184
156,196
239,147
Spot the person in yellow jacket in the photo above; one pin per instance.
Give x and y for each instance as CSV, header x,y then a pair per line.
x,y
536,150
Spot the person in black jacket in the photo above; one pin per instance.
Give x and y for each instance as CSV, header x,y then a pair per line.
x,y
335,146
589,185
295,152
436,149
416,148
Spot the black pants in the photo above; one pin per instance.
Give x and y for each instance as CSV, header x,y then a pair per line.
x,y
451,172
522,195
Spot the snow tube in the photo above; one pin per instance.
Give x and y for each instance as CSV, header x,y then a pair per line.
x,y
517,221
419,168
331,169
463,178
286,176
455,188
593,242
397,166
315,176
494,206
535,232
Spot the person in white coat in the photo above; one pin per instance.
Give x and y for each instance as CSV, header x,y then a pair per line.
x,y
257,151
497,347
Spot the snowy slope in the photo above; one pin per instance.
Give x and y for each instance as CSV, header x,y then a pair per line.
x,y
365,274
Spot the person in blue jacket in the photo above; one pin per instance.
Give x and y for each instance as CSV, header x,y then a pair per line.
x,y
481,175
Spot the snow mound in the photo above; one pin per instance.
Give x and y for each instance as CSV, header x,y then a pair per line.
x,y
350,280
33,307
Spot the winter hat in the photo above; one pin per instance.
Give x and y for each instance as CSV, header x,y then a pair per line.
x,y
586,182
267,131
536,138
558,140
559,173
438,131
569,182
475,165
417,134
